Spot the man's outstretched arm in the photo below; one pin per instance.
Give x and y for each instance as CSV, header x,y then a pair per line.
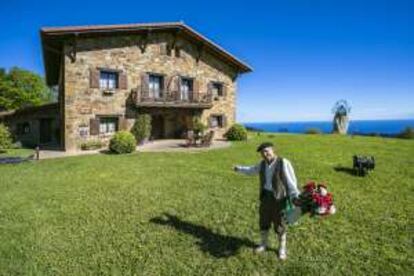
x,y
249,170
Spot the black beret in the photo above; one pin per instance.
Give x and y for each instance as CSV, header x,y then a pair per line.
x,y
264,145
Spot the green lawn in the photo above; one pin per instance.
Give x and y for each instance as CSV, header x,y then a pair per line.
x,y
17,152
189,213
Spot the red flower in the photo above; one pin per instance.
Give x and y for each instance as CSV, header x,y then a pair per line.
x,y
310,186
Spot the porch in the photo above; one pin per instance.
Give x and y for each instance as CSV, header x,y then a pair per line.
x,y
162,145
170,123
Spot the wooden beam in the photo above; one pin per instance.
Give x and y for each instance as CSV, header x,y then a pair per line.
x,y
143,41
73,48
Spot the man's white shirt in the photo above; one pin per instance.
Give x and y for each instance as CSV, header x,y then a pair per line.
x,y
291,181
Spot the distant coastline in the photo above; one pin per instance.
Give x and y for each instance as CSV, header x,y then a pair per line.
x,y
358,127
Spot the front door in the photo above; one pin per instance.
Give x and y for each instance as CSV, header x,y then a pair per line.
x,y
45,131
157,126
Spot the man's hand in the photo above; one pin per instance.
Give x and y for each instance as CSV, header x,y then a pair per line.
x,y
296,201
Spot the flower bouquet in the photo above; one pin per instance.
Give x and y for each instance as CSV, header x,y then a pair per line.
x,y
316,200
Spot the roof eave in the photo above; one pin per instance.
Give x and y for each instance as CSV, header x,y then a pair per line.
x,y
62,32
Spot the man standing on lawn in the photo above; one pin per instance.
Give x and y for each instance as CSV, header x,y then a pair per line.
x,y
277,182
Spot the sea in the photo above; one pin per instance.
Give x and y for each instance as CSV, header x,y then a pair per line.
x,y
363,127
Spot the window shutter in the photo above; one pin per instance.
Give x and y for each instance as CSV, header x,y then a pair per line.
x,y
144,83
163,49
168,84
196,86
178,87
165,85
123,80
94,126
224,87
224,118
177,52
123,123
94,75
210,87
210,121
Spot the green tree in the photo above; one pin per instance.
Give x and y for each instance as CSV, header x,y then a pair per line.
x,y
5,138
20,88
142,127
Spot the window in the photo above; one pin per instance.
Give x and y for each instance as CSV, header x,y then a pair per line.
x,y
23,128
186,88
217,89
216,121
108,125
156,83
108,80
83,131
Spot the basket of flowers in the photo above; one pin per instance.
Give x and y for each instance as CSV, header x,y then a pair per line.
x,y
316,200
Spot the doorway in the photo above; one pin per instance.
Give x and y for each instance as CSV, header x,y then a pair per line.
x,y
157,127
45,131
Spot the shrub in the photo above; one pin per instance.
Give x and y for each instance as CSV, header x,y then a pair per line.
x,y
407,133
198,126
313,130
91,145
5,137
142,128
122,142
237,132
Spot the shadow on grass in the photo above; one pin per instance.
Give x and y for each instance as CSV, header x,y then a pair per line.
x,y
347,170
217,245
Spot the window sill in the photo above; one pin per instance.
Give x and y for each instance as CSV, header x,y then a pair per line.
x,y
108,92
106,135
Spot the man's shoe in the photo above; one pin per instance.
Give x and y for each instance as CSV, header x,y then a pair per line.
x,y
282,254
282,247
262,247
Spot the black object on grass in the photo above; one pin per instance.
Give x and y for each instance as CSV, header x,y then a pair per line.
x,y
363,164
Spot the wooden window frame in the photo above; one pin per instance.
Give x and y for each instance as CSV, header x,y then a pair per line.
x,y
108,117
220,123
162,78
108,72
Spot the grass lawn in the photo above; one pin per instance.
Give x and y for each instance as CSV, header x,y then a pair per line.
x,y
189,213
17,152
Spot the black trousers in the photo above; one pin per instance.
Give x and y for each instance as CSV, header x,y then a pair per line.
x,y
271,211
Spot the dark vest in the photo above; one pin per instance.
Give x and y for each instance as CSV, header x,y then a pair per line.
x,y
278,180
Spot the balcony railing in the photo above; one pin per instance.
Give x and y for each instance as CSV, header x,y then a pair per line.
x,y
161,98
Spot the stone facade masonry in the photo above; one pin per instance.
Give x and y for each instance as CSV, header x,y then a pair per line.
x,y
82,103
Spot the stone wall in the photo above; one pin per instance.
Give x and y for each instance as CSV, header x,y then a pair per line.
x,y
122,53
25,125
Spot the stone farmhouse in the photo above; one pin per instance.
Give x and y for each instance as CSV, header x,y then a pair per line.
x,y
108,75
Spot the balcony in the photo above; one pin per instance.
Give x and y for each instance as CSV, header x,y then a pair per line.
x,y
175,99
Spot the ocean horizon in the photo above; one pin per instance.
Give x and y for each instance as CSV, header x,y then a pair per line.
x,y
381,127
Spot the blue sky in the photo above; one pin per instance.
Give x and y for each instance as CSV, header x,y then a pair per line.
x,y
305,54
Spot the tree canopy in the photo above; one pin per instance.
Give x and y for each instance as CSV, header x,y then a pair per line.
x,y
21,88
